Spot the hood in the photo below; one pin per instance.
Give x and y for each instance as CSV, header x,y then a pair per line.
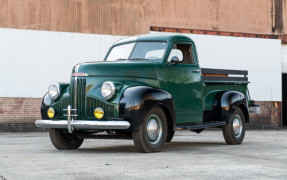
x,y
137,69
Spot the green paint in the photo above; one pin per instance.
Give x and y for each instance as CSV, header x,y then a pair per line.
x,y
183,81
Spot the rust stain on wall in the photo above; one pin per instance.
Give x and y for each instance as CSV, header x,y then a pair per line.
x,y
278,17
130,17
284,16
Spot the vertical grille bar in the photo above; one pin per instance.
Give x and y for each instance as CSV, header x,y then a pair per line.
x,y
81,95
78,93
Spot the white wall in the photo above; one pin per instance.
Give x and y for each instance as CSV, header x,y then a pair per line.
x,y
284,58
261,57
31,60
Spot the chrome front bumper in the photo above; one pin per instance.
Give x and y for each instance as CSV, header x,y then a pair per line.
x,y
82,124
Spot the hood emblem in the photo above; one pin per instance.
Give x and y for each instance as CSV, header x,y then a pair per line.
x,y
79,74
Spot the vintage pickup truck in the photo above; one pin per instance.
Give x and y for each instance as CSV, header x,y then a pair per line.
x,y
147,87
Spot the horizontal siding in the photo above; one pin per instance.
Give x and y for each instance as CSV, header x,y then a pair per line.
x,y
32,60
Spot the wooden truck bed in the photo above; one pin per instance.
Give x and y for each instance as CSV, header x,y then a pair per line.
x,y
224,76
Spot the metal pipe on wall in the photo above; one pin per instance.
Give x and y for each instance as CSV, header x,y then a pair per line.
x,y
273,15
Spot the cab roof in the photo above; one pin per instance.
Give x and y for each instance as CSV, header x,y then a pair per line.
x,y
154,37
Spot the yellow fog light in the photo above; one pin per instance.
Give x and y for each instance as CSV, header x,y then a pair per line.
x,y
51,112
99,113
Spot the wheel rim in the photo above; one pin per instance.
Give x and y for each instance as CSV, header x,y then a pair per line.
x,y
154,129
237,125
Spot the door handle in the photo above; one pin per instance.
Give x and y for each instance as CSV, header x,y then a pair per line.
x,y
196,71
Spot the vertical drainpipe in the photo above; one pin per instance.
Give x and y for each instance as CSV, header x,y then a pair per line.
x,y
273,15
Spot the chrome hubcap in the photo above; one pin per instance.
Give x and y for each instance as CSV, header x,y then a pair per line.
x,y
237,126
154,129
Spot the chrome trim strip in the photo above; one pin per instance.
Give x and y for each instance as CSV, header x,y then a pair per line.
x,y
83,124
79,74
70,109
75,92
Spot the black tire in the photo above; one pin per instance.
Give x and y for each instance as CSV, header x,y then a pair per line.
x,y
63,140
232,132
141,138
169,136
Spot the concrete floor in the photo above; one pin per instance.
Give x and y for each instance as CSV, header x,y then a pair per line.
x,y
263,155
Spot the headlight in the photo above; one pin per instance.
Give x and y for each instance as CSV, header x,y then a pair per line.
x,y
108,90
54,91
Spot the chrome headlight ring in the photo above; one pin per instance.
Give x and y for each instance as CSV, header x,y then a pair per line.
x,y
108,90
54,91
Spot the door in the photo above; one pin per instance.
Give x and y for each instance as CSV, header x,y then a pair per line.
x,y
184,83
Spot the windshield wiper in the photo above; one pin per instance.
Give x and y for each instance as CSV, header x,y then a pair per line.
x,y
120,59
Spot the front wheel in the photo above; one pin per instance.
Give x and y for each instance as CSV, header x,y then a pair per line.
x,y
234,130
63,140
152,134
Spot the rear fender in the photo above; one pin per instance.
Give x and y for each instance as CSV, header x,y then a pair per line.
x,y
230,100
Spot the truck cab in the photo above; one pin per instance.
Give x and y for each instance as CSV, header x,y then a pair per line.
x,y
145,88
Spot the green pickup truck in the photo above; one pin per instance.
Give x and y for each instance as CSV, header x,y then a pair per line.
x,y
147,87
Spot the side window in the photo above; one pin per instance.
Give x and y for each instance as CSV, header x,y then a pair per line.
x,y
183,52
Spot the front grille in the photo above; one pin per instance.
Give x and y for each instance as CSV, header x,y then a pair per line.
x,y
61,104
81,97
110,110
78,92
85,105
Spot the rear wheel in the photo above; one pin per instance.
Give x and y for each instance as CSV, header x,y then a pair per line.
x,y
63,140
234,130
152,134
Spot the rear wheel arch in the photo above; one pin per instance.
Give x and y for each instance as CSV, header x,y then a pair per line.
x,y
226,102
232,99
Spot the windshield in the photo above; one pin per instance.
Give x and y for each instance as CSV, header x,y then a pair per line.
x,y
137,51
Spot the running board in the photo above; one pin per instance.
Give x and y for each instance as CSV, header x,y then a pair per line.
x,y
100,136
201,126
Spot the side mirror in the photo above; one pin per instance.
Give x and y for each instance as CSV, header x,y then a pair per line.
x,y
174,60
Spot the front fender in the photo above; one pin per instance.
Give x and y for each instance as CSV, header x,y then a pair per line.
x,y
47,101
137,101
